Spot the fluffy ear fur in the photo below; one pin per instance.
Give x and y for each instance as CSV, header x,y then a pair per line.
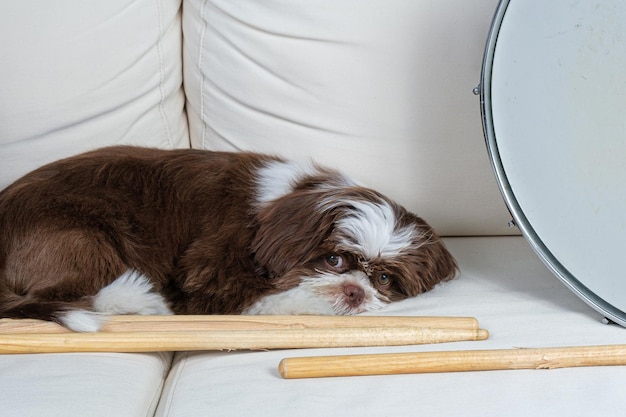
x,y
440,265
291,231
429,260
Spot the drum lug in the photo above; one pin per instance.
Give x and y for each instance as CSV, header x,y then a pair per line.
x,y
476,90
607,321
512,224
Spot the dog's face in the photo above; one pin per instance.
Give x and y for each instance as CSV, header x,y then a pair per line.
x,y
337,248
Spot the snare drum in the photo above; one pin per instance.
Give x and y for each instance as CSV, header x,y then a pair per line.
x,y
553,101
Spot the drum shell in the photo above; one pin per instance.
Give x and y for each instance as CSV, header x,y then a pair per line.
x,y
553,96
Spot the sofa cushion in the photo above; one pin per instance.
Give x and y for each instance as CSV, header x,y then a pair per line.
x,y
380,89
502,283
85,385
80,75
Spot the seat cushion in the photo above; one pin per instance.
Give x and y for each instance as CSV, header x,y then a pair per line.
x,y
502,283
86,385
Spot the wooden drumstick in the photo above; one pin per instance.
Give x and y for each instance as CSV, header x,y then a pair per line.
x,y
230,339
131,323
452,361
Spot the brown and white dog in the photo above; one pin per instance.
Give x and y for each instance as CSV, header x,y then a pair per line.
x,y
126,230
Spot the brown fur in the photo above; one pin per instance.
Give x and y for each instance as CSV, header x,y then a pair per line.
x,y
187,219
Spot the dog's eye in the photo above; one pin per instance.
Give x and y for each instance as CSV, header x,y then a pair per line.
x,y
334,261
384,280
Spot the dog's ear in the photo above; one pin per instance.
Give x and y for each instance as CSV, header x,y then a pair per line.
x,y
430,261
291,231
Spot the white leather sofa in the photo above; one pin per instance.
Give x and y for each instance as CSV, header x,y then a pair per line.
x,y
379,88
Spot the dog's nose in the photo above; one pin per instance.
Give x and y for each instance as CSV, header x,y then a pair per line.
x,y
354,295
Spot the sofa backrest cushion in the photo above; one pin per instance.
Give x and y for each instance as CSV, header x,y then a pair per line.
x,y
379,88
80,75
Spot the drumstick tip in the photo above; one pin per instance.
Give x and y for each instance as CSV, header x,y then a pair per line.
x,y
282,369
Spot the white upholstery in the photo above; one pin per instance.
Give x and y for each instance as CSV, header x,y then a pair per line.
x,y
382,89
379,88
81,75
85,385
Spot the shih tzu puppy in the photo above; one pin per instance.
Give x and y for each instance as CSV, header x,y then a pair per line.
x,y
128,230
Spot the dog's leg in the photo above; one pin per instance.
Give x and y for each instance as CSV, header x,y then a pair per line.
x,y
131,293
